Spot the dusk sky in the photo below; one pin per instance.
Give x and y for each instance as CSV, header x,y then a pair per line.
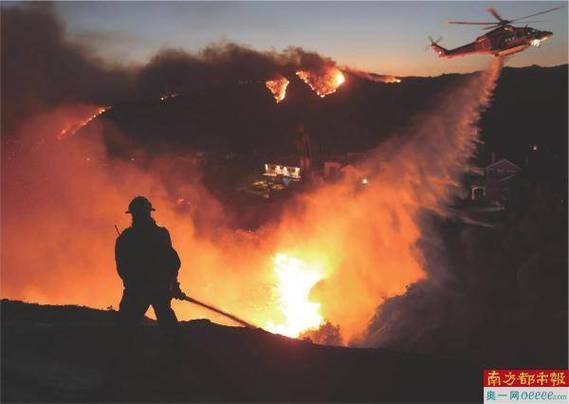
x,y
383,37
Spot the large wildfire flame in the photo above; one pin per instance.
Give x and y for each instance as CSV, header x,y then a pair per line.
x,y
278,88
324,82
295,280
335,258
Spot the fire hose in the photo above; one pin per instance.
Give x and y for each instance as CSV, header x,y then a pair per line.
x,y
184,297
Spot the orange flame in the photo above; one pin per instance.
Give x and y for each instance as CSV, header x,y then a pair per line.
x,y
70,130
325,83
278,88
295,281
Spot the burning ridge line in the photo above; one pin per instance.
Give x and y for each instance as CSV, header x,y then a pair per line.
x,y
75,127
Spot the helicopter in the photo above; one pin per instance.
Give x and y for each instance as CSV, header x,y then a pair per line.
x,y
504,39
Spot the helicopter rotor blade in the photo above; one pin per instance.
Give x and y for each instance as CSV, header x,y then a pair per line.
x,y
471,22
493,11
533,15
499,25
531,22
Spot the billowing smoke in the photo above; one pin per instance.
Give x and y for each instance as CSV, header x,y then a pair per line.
x,y
181,72
61,198
41,69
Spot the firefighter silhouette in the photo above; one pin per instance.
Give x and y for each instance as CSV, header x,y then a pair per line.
x,y
148,266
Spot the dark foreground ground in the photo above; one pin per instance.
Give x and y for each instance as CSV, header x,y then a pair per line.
x,y
61,354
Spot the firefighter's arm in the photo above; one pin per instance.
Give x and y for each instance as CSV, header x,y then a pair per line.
x,y
173,258
120,259
173,266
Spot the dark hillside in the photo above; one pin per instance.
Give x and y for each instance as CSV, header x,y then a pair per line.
x,y
529,107
59,354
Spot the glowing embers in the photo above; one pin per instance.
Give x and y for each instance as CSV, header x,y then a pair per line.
x,y
295,279
323,82
278,87
168,96
71,129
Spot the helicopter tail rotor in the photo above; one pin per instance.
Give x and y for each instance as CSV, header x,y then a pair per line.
x,y
433,41
434,45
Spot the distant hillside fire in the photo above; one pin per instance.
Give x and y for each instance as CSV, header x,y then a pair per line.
x,y
392,79
323,82
74,127
378,78
277,87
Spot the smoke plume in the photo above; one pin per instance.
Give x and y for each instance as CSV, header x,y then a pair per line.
x,y
41,70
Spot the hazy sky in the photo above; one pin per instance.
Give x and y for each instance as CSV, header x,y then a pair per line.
x,y
384,37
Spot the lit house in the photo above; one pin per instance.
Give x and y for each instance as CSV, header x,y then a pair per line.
x,y
278,170
493,183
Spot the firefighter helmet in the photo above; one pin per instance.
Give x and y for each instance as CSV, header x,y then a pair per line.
x,y
139,204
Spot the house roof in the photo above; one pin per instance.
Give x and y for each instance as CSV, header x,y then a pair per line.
x,y
284,161
504,164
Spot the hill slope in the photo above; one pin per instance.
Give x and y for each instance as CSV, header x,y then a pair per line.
x,y
530,105
61,354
